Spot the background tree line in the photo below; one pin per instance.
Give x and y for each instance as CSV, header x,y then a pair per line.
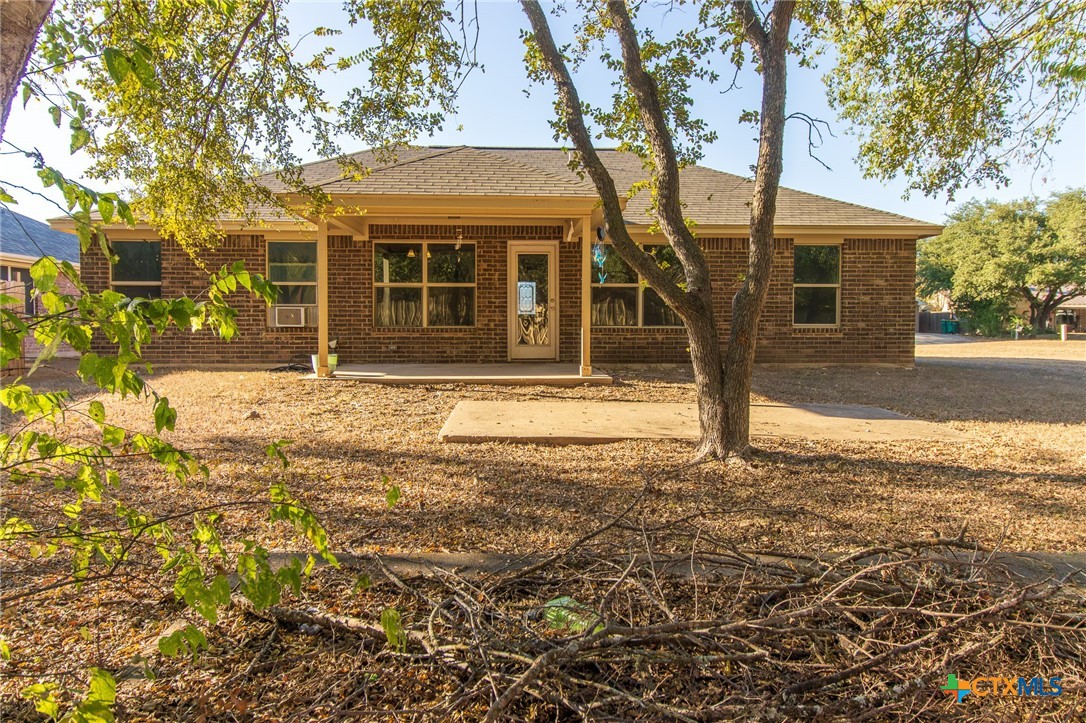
x,y
1006,264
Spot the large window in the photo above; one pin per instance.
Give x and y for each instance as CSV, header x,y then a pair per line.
x,y
138,270
292,267
424,284
816,285
621,298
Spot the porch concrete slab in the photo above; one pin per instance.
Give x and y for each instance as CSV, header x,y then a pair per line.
x,y
589,422
522,374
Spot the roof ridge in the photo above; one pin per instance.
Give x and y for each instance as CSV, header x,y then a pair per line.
x,y
579,183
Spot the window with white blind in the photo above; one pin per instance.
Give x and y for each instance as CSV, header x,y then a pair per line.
x,y
621,298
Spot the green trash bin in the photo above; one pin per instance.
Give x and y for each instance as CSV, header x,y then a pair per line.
x,y
944,325
953,326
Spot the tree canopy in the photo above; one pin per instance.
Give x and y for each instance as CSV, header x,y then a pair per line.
x,y
1002,253
956,93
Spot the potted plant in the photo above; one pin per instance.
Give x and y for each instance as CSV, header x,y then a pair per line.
x,y
333,358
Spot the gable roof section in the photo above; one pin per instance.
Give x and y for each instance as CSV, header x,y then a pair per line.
x,y
712,197
23,236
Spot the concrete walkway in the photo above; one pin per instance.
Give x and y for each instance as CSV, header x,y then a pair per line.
x,y
944,339
1017,567
520,374
587,422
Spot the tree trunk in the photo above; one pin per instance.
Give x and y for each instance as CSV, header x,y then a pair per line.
x,y
722,379
709,386
771,47
1040,316
20,21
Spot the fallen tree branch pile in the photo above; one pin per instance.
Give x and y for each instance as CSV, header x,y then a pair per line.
x,y
640,618
618,630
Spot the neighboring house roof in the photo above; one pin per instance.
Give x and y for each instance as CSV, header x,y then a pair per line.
x,y
1079,302
712,197
23,236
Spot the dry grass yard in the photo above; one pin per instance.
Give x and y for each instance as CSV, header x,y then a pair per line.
x,y
1021,479
1019,483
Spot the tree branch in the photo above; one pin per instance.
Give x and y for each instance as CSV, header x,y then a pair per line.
x,y
668,203
572,113
752,26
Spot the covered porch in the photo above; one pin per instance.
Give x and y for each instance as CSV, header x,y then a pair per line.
x,y
512,374
525,302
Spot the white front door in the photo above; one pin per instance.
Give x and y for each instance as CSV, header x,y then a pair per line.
x,y
533,300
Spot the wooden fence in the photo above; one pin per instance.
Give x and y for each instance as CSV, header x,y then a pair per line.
x,y
931,322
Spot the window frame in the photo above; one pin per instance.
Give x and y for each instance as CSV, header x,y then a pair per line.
x,y
426,284
839,243
641,285
113,283
311,310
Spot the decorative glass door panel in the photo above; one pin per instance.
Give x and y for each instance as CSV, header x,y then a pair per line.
x,y
533,299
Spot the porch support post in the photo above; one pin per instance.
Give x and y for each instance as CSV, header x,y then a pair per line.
x,y
586,296
322,299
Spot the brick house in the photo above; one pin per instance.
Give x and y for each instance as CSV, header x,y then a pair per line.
x,y
23,241
470,254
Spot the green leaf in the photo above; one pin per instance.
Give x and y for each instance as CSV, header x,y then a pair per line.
x,y
170,645
275,451
54,111
43,696
97,411
144,72
112,436
165,415
125,212
6,197
106,208
27,92
565,613
80,138
102,687
392,492
117,64
44,273
393,627
186,640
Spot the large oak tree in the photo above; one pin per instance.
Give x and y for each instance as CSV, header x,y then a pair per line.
x,y
1007,253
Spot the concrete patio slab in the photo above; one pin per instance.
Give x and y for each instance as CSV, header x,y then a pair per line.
x,y
587,422
543,374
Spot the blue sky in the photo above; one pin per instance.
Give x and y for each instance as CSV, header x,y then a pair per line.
x,y
494,110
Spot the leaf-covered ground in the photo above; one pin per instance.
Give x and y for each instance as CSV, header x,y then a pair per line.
x,y
1019,483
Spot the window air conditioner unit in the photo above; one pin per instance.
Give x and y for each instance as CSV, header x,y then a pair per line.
x,y
290,316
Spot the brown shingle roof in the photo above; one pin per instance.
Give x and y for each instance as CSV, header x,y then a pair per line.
x,y
711,197
455,171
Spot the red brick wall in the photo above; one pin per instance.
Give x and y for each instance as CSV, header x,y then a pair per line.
x,y
31,347
877,318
